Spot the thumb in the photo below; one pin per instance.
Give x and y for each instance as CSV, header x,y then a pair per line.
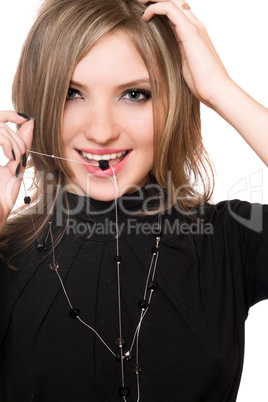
x,y
26,132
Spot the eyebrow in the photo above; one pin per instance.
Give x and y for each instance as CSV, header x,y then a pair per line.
x,y
78,85
130,84
134,83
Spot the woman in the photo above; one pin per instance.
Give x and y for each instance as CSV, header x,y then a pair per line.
x,y
114,300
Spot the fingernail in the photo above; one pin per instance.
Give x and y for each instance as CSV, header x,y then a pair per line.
x,y
24,160
17,170
13,154
31,118
24,116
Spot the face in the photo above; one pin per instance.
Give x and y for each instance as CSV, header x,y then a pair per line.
x,y
108,116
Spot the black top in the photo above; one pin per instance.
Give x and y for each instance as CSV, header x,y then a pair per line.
x,y
211,269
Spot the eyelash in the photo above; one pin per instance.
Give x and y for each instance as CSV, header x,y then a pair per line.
x,y
145,93
74,91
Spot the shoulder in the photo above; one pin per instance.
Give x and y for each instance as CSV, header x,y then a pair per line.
x,y
224,221
240,215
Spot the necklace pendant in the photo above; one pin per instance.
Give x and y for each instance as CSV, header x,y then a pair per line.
x,y
136,368
120,342
155,250
152,285
74,312
124,391
117,258
27,200
128,355
41,246
54,266
143,304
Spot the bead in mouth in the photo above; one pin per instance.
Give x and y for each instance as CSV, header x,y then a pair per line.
x,y
103,164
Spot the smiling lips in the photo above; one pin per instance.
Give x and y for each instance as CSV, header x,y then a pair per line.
x,y
117,159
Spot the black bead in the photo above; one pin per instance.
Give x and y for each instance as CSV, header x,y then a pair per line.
x,y
120,342
54,266
117,258
41,246
74,312
118,357
128,355
143,304
155,250
152,285
136,368
27,200
124,391
158,233
103,164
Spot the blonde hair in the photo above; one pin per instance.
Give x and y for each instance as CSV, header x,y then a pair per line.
x,y
62,34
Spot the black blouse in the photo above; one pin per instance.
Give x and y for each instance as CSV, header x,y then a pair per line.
x,y
211,269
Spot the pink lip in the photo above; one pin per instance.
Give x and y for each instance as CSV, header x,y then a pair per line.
x,y
96,171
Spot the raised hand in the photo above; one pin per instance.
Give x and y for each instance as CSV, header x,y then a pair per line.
x,y
203,70
207,77
14,146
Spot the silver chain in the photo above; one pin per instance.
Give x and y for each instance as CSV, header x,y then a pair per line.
x,y
144,309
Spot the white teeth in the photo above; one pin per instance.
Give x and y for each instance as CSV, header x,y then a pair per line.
x,y
96,157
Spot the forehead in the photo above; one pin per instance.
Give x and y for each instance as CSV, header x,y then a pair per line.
x,y
114,56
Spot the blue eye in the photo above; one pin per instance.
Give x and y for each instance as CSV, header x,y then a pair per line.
x,y
136,95
73,94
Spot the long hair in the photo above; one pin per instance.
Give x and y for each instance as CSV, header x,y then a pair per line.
x,y
62,34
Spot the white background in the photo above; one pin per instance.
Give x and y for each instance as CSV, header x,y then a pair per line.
x,y
239,30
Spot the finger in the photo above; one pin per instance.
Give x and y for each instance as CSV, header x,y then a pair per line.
x,y
179,3
26,133
10,142
13,165
179,20
177,16
175,11
186,27
18,145
9,149
12,117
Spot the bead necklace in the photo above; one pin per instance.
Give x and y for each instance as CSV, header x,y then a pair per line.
x,y
150,286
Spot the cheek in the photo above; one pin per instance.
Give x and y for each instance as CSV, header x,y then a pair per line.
x,y
66,127
70,126
147,134
140,125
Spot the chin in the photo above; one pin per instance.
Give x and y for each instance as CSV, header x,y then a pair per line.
x,y
103,189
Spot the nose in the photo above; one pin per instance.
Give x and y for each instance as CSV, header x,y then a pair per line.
x,y
102,127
